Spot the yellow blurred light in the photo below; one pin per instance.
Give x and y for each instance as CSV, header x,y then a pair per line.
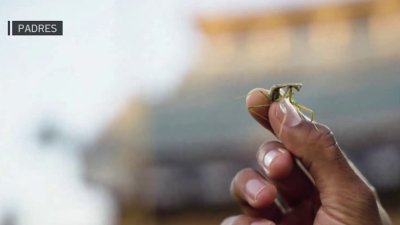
x,y
330,40
384,33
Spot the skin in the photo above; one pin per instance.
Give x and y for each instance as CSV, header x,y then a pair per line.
x,y
323,189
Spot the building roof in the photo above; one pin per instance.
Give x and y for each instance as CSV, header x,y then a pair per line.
x,y
217,25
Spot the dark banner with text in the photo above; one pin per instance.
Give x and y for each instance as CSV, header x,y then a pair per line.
x,y
35,28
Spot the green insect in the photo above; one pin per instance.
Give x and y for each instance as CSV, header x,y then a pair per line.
x,y
279,92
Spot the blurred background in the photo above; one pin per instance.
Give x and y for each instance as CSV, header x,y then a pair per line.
x,y
136,114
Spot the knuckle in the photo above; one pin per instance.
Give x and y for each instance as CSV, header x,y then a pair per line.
x,y
369,193
322,136
364,192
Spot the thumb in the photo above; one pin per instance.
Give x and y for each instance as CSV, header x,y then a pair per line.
x,y
315,145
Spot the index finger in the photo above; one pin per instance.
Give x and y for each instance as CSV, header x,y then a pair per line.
x,y
258,104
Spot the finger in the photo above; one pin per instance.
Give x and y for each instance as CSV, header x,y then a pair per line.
x,y
246,220
292,183
316,146
248,186
303,214
255,194
258,106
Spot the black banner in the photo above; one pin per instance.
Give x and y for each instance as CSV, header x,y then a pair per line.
x,y
36,27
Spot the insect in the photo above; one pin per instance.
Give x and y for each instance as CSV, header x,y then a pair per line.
x,y
279,92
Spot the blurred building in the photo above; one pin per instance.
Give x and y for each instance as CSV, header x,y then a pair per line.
x,y
120,160
181,154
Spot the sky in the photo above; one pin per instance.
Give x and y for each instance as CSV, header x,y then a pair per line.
x,y
110,51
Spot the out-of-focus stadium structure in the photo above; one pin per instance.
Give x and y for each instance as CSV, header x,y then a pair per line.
x,y
182,153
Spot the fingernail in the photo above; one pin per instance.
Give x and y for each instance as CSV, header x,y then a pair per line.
x,y
261,223
228,221
288,113
269,158
250,93
260,91
254,188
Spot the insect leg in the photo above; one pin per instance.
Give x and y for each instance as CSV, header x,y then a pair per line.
x,y
290,94
282,95
265,95
251,109
281,127
305,109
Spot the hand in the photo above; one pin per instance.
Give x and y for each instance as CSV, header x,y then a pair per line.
x,y
331,191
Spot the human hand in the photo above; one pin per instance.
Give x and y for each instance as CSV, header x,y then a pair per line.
x,y
331,191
